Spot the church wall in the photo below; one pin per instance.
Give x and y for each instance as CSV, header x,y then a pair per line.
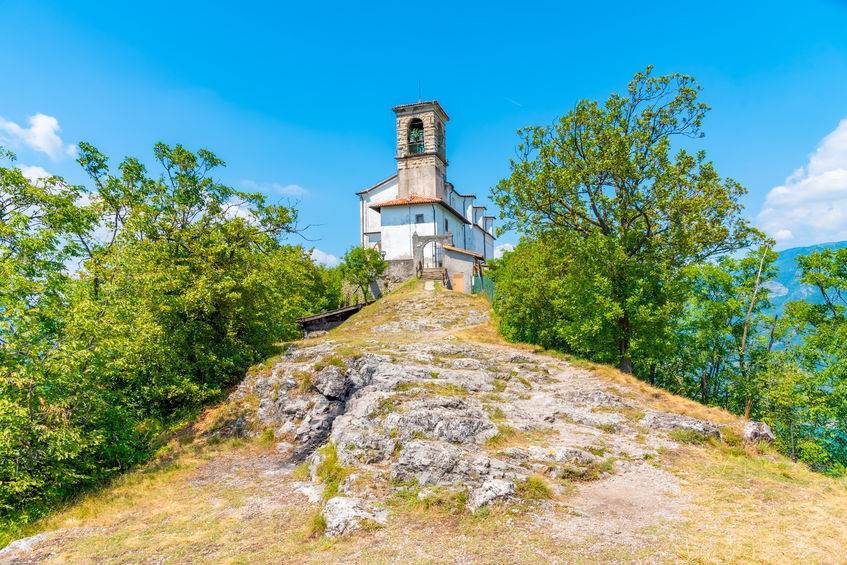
x,y
454,226
478,237
371,220
398,225
489,247
456,262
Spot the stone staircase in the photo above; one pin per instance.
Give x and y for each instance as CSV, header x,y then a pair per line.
x,y
433,274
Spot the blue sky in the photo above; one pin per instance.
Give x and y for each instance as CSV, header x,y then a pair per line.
x,y
297,98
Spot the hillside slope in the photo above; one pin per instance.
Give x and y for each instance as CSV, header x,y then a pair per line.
x,y
418,433
786,286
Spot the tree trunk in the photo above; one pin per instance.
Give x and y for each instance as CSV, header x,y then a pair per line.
x,y
623,343
791,429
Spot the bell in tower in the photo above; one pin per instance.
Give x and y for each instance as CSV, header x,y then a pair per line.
x,y
421,153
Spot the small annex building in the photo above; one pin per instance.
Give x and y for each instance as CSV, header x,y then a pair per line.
x,y
416,218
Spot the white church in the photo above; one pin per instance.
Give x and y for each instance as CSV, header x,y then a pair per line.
x,y
416,219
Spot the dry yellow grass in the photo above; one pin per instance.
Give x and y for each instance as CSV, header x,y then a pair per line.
x,y
760,509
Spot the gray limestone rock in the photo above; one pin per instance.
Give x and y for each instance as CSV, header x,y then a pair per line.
x,y
754,432
431,463
564,455
597,398
313,352
345,514
331,382
287,428
295,406
440,464
671,422
356,445
263,387
453,350
473,364
490,491
25,545
448,419
315,427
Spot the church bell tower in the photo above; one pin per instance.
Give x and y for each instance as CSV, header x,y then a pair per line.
x,y
421,153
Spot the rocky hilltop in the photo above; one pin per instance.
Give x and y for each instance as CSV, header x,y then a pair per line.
x,y
412,433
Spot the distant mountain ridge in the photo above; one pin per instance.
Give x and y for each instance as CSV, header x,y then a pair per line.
x,y
786,286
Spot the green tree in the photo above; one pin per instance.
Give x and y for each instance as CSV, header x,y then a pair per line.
x,y
362,267
722,342
810,405
627,214
177,284
43,409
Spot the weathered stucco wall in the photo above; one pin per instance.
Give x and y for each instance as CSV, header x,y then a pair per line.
x,y
457,262
398,225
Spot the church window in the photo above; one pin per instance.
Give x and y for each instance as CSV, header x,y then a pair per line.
x,y
446,226
416,137
419,218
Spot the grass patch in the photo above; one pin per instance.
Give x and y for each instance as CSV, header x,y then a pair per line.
x,y
534,488
317,524
590,473
608,428
304,382
505,434
632,414
443,389
408,498
384,408
598,451
731,437
525,382
301,472
499,385
331,362
688,436
495,413
266,439
330,472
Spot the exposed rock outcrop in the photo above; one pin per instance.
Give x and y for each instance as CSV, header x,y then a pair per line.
x,y
438,415
754,432
344,515
672,422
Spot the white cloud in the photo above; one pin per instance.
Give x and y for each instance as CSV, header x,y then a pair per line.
x,y
501,249
274,188
326,258
34,174
811,207
41,135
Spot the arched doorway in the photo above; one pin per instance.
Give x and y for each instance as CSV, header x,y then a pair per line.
x,y
431,255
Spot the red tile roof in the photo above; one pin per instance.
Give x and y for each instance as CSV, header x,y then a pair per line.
x,y
414,199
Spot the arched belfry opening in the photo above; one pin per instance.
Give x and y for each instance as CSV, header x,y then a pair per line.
x,y
415,137
439,139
